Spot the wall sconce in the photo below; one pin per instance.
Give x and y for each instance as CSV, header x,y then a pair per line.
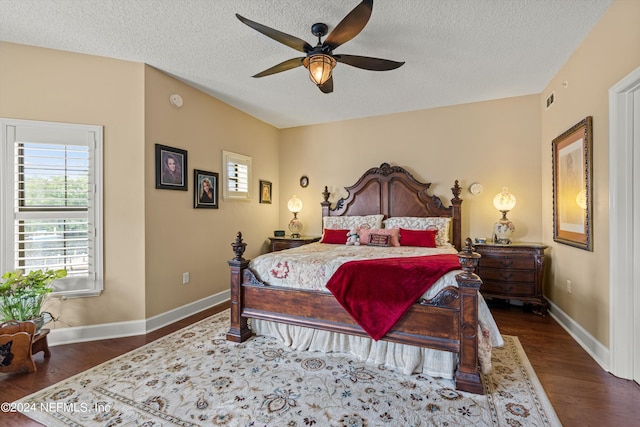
x,y
295,225
503,228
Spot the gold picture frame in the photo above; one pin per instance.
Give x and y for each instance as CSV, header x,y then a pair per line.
x,y
572,186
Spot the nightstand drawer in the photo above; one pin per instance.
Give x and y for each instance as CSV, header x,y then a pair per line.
x,y
520,263
511,289
494,274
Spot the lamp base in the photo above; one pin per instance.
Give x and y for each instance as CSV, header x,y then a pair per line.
x,y
502,231
295,227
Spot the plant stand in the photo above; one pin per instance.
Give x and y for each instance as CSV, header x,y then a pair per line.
x,y
16,339
40,343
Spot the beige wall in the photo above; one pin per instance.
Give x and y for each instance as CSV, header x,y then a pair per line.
x,y
609,53
495,143
151,236
180,238
55,86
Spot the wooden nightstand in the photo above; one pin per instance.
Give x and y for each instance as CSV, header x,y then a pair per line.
x,y
513,271
280,243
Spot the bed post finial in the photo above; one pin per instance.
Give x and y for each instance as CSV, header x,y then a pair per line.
x,y
326,194
456,190
239,247
468,259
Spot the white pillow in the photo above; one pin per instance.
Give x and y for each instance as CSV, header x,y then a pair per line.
x,y
423,223
348,222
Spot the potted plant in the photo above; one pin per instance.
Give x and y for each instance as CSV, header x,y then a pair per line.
x,y
22,295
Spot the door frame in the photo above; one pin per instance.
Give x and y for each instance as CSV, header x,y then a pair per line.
x,y
622,277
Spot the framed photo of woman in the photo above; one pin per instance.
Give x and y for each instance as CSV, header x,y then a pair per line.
x,y
265,191
205,189
171,168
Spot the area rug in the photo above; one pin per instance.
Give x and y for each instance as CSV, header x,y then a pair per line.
x,y
194,377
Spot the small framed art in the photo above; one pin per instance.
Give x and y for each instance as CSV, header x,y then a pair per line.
x,y
572,189
171,168
205,191
265,191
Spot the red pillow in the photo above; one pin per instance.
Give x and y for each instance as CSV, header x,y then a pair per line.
x,y
423,238
336,237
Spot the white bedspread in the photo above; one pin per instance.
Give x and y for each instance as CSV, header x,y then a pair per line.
x,y
311,266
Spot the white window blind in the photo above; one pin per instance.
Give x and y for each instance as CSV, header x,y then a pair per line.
x,y
237,176
51,202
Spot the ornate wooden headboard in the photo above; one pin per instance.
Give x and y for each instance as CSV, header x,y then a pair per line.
x,y
393,191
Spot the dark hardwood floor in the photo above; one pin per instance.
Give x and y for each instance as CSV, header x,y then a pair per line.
x,y
581,392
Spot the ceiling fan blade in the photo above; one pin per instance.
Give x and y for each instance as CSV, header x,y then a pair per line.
x,y
283,66
279,36
350,26
327,87
368,63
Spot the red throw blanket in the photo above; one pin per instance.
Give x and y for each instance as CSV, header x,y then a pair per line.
x,y
377,292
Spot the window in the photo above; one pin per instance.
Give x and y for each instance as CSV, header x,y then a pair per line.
x,y
51,202
236,170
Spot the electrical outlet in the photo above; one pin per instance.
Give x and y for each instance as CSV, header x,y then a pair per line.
x,y
185,278
568,286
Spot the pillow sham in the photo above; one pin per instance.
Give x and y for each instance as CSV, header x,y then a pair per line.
x,y
393,233
422,238
335,237
442,225
354,221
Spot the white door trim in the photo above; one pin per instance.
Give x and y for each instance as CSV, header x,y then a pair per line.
x,y
621,245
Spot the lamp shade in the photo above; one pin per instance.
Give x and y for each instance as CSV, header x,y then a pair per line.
x,y
320,67
294,204
504,201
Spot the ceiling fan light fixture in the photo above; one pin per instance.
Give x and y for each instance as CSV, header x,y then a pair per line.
x,y
320,67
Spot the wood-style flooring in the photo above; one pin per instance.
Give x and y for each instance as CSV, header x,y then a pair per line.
x,y
581,392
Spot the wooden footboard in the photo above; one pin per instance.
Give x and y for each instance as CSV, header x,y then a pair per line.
x,y
449,321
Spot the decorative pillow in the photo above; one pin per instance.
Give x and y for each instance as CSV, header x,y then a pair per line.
x,y
423,223
393,233
348,222
423,238
336,237
379,240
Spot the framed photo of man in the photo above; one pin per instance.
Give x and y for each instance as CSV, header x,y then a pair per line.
x,y
205,189
171,168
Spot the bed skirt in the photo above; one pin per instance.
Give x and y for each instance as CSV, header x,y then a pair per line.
x,y
405,358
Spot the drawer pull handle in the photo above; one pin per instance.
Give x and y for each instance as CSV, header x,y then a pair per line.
x,y
505,275
506,289
506,262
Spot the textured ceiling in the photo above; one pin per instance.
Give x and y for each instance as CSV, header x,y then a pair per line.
x,y
456,51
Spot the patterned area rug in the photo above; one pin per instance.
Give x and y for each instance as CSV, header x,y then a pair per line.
x,y
194,377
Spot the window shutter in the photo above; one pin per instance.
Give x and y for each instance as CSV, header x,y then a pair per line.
x,y
53,206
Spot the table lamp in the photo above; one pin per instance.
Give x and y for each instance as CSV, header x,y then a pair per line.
x,y
503,228
295,225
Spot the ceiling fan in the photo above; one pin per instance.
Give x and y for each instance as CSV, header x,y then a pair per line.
x,y
320,59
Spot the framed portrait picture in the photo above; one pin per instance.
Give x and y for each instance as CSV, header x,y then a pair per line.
x,y
265,191
572,186
205,189
171,168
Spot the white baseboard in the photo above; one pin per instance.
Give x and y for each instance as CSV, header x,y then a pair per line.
x,y
135,327
596,350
